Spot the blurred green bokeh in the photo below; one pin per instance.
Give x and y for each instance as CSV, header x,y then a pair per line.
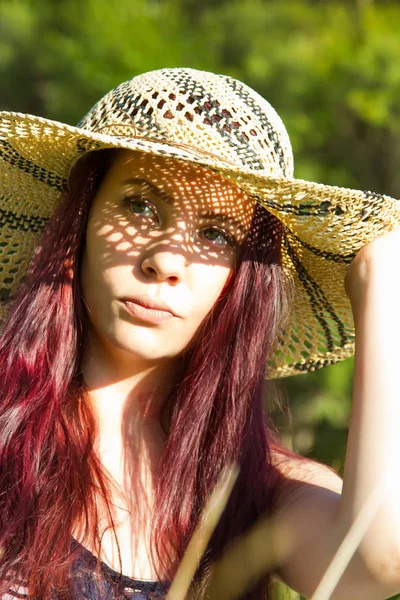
x,y
330,68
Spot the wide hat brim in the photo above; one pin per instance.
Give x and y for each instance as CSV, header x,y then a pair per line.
x,y
324,226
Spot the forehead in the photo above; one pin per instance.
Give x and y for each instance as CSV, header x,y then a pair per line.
x,y
191,186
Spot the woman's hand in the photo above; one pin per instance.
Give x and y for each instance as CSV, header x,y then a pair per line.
x,y
375,266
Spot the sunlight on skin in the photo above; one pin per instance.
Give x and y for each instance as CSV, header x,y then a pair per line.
x,y
168,231
139,243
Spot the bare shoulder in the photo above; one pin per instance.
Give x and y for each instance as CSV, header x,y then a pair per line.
x,y
307,511
307,504
305,479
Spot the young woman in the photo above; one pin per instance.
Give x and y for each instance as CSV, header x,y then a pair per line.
x,y
160,267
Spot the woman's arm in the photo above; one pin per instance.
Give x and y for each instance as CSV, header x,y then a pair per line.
x,y
318,515
373,448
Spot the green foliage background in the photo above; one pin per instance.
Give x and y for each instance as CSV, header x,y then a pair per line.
x,y
330,68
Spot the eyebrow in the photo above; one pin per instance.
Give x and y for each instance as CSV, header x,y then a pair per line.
x,y
169,200
139,180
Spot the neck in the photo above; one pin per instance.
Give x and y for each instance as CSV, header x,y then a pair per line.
x,y
128,395
119,382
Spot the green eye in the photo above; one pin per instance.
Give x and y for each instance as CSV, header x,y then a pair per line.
x,y
218,236
141,207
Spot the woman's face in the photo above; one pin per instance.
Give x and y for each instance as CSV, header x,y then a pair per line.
x,y
164,232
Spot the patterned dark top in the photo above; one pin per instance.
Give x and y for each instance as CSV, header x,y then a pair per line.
x,y
94,580
106,584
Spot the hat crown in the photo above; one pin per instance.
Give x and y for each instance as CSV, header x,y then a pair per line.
x,y
214,114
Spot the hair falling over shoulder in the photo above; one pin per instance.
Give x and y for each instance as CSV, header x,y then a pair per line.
x,y
47,428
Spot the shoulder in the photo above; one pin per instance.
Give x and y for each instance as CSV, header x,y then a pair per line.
x,y
307,515
308,497
302,477
307,505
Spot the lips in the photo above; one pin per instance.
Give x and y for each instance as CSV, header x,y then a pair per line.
x,y
150,303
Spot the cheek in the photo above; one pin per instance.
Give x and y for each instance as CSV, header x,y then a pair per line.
x,y
98,269
118,242
210,281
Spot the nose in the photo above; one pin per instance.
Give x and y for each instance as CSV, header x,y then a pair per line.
x,y
164,265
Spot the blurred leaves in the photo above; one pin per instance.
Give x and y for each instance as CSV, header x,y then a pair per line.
x,y
320,405
330,69
58,58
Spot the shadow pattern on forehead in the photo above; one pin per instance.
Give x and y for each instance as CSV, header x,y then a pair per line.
x,y
178,178
197,197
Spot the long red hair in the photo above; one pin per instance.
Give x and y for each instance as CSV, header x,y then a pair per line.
x,y
217,416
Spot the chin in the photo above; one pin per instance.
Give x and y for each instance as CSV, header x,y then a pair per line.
x,y
147,345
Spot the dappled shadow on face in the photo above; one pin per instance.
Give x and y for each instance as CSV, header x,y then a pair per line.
x,y
157,221
151,205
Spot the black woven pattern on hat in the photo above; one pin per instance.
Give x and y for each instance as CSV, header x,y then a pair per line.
x,y
84,145
272,134
131,109
318,301
314,365
374,196
204,104
332,256
137,108
15,159
317,209
137,113
22,222
308,209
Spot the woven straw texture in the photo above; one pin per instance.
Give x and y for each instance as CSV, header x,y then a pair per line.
x,y
220,123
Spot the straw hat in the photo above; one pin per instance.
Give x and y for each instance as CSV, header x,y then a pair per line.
x,y
217,122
